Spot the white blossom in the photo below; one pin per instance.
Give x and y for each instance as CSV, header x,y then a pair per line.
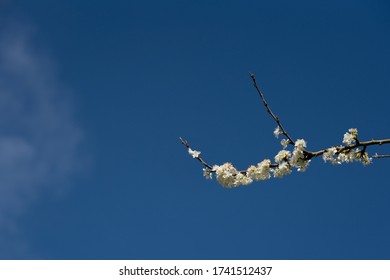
x,y
298,160
300,144
226,175
348,156
281,170
350,136
207,173
282,155
284,143
242,179
261,172
277,131
329,155
298,157
366,160
193,153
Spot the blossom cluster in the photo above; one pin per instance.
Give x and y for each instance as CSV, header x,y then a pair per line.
x,y
350,137
338,156
285,159
228,176
347,154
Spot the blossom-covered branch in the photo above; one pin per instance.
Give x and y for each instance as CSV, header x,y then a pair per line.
x,y
352,150
353,144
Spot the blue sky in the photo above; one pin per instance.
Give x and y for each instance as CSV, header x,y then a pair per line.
x,y
94,97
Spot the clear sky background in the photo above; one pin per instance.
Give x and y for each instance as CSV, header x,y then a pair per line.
x,y
95,94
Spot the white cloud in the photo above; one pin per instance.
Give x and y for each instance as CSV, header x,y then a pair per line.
x,y
39,139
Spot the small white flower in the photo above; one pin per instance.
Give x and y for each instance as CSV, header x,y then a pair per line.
x,y
350,136
207,173
353,131
284,143
193,153
365,159
282,155
300,144
277,131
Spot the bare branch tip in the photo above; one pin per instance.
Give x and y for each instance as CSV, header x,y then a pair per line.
x,y
184,142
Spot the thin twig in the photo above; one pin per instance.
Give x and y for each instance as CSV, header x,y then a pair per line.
x,y
208,166
284,132
380,156
185,143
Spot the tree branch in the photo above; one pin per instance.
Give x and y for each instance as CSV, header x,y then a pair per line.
x,y
351,147
228,176
381,156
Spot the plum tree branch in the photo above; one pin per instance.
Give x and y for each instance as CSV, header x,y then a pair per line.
x,y
352,150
